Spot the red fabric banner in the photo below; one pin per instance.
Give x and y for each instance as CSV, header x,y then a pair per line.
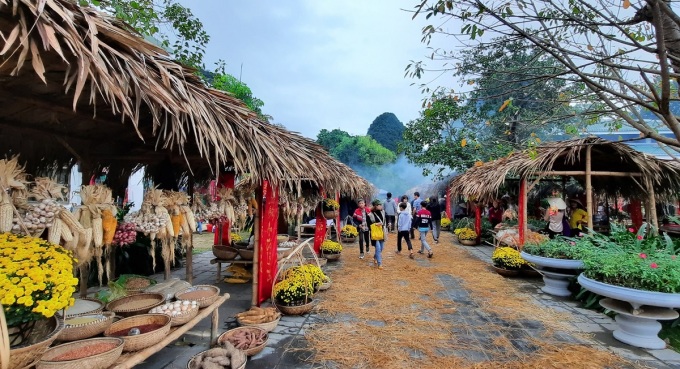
x,y
478,221
448,203
269,215
635,211
521,221
319,230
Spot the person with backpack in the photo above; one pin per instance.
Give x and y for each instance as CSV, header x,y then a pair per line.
x,y
390,208
360,215
422,222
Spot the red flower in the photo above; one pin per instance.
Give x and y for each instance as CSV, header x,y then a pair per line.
x,y
673,257
653,265
643,255
632,230
572,243
639,237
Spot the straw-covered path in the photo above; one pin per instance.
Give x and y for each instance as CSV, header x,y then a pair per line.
x,y
451,311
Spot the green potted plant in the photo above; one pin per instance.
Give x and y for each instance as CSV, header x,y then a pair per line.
x,y
563,257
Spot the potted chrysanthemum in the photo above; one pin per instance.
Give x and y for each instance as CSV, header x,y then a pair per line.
x,y
349,233
331,250
329,208
466,236
507,261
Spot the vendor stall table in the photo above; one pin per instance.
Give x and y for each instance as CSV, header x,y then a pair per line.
x,y
130,359
219,263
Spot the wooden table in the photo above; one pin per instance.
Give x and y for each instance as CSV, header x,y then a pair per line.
x,y
130,359
219,263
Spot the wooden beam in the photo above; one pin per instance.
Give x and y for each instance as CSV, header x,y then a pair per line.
x,y
651,216
523,204
589,187
592,173
257,214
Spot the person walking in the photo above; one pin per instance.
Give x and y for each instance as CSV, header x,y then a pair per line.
x,y
391,212
377,216
436,217
415,207
360,220
403,228
422,222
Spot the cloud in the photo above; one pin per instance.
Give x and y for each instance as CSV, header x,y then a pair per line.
x,y
318,64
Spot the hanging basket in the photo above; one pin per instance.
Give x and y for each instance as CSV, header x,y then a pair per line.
x,y
330,214
348,239
297,309
331,257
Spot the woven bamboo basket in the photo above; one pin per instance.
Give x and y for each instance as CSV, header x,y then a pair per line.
x,y
204,302
189,366
77,310
322,261
296,310
506,272
246,254
251,351
282,238
268,327
183,318
99,361
4,341
224,252
151,283
144,340
331,257
330,214
81,331
326,285
136,304
26,356
468,242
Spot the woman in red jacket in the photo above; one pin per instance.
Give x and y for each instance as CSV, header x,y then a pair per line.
x,y
360,215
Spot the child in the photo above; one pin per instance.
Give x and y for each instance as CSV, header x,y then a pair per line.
x,y
423,218
404,225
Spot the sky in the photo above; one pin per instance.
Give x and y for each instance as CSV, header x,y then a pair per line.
x,y
319,64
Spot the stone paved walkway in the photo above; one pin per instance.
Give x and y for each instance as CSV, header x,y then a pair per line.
x,y
287,347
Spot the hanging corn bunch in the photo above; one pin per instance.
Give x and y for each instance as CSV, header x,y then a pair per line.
x,y
96,217
225,206
185,218
12,181
61,224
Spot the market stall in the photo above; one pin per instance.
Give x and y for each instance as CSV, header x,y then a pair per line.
x,y
602,166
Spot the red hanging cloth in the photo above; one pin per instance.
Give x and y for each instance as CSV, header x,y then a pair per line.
x,y
267,263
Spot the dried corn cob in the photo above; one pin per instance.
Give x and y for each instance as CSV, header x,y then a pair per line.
x,y
109,223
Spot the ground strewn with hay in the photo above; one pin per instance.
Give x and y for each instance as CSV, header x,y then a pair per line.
x,y
451,311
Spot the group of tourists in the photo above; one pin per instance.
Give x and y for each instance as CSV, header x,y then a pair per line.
x,y
402,217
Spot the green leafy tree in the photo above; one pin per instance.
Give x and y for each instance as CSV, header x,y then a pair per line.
x,y
615,49
331,139
175,25
387,130
362,150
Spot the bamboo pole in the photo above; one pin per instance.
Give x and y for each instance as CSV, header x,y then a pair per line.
x,y
298,212
651,217
592,173
256,254
214,325
589,188
523,203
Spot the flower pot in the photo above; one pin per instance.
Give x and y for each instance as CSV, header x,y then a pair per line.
x,y
348,239
506,272
330,214
638,311
331,257
468,242
556,283
297,309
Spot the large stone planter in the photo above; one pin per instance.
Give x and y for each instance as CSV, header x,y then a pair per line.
x,y
638,311
556,280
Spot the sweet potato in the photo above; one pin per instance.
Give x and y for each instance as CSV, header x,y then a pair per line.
x,y
216,352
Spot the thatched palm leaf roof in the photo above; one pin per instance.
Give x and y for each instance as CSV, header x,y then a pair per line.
x,y
566,156
80,85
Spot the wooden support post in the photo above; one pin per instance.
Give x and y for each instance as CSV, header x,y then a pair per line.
x,y
589,188
190,264
84,276
651,216
256,254
522,221
214,327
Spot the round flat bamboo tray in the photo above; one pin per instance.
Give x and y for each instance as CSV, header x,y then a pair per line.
x,y
151,283
296,310
78,307
191,361
144,340
81,331
99,361
282,238
136,304
25,356
224,252
203,302
268,327
246,254
251,351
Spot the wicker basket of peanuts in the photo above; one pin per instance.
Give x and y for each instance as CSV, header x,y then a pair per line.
x,y
264,318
